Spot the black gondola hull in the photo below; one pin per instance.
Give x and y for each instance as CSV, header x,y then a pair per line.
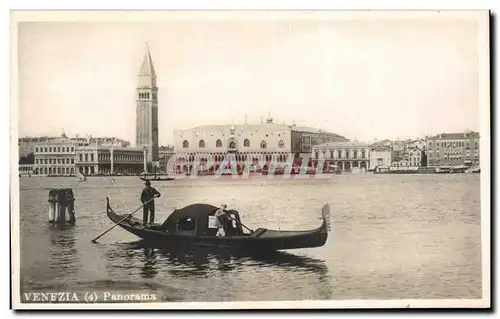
x,y
259,240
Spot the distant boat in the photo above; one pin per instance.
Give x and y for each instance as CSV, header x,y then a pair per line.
x,y
157,178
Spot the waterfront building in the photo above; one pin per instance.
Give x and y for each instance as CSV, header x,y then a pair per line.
x,y
61,156
26,169
344,155
165,153
55,157
381,157
453,149
147,110
96,159
247,142
416,157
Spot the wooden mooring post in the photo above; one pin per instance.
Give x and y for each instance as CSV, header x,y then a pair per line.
x,y
62,206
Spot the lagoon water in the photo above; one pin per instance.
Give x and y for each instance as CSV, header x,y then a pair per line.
x,y
392,237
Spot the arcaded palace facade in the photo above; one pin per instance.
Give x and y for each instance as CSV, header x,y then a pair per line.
x,y
247,142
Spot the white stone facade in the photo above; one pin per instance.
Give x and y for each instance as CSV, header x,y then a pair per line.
x,y
345,155
242,138
381,158
55,157
105,160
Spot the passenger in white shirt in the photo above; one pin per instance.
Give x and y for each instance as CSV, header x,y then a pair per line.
x,y
220,215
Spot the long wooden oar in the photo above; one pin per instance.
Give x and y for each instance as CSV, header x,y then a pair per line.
x,y
231,218
116,224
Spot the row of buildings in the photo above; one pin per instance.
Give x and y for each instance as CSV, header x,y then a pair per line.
x,y
65,156
447,150
279,143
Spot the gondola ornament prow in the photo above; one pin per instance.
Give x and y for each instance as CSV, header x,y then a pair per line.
x,y
117,223
325,214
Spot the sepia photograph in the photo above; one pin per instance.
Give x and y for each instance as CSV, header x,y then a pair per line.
x,y
250,159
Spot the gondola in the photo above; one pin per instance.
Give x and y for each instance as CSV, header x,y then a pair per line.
x,y
193,226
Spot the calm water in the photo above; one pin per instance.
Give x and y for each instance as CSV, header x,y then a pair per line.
x,y
393,236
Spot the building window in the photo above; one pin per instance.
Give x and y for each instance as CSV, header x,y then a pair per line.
x,y
355,154
339,154
476,143
263,144
59,149
86,157
232,145
185,144
201,144
281,144
246,143
218,143
91,157
430,144
36,149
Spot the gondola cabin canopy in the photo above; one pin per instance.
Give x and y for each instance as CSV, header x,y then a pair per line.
x,y
200,219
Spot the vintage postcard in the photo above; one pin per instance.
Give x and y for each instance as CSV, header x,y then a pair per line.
x,y
250,159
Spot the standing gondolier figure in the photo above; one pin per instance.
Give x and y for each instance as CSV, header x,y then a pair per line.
x,y
148,194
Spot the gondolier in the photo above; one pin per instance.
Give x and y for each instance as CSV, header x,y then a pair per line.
x,y
147,198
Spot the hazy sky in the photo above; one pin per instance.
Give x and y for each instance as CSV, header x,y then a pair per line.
x,y
363,79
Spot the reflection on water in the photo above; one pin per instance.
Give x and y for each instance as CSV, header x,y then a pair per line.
x,y
149,269
392,237
63,253
202,261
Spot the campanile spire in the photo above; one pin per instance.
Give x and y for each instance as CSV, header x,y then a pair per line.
x,y
147,108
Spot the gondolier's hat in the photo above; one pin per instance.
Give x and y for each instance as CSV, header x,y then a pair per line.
x,y
148,183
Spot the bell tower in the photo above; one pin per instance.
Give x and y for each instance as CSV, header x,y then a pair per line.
x,y
146,95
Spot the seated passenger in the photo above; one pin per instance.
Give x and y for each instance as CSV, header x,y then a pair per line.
x,y
220,216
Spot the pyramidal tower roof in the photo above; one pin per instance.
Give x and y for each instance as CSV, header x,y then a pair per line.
x,y
147,67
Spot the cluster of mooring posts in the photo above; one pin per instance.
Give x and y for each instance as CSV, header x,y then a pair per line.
x,y
62,207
